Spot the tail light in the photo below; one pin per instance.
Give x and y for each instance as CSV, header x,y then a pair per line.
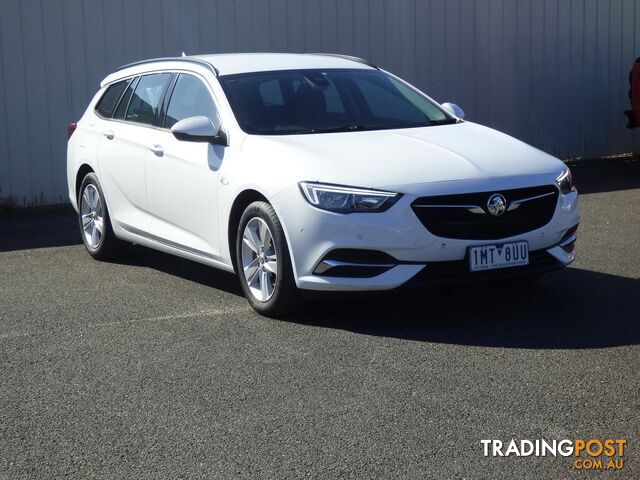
x,y
70,129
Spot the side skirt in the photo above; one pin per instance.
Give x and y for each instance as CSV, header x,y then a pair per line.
x,y
135,235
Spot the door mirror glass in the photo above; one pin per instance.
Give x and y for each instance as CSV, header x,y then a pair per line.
x,y
453,109
196,129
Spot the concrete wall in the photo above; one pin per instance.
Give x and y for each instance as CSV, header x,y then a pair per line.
x,y
550,72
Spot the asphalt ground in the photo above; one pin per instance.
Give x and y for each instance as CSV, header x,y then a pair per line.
x,y
155,367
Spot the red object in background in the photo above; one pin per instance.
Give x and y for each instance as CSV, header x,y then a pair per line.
x,y
70,129
634,96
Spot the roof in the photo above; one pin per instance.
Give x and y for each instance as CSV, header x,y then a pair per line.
x,y
230,63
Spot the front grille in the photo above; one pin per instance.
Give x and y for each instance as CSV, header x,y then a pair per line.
x,y
465,216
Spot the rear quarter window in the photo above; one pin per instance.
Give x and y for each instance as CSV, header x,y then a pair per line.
x,y
124,101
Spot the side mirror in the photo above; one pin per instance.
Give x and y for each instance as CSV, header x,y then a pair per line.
x,y
196,129
453,109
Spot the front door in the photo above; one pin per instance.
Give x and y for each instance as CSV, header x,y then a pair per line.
x,y
182,176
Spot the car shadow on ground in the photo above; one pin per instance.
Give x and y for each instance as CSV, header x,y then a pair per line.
x,y
572,308
567,309
138,256
28,228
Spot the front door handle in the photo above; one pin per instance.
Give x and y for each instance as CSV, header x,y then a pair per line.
x,y
109,134
157,149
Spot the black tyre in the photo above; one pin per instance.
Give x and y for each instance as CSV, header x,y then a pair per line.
x,y
264,264
94,221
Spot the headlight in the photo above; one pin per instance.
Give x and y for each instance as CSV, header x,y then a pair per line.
x,y
336,198
565,182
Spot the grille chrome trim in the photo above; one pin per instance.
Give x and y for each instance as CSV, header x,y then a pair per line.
x,y
516,203
471,208
458,215
447,206
478,209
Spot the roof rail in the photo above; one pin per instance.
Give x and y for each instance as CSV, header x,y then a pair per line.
x,y
348,57
197,61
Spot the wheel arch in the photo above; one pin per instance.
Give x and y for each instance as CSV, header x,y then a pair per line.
x,y
241,202
82,172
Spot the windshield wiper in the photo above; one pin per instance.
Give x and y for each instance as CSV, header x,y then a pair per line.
x,y
356,127
445,121
343,128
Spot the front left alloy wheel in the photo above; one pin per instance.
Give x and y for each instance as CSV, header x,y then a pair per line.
x,y
259,259
263,262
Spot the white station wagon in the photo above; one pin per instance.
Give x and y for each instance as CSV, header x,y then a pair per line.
x,y
311,172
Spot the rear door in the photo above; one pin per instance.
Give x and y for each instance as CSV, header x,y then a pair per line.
x,y
89,134
124,146
182,176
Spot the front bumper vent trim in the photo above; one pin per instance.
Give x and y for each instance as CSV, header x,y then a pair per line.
x,y
354,263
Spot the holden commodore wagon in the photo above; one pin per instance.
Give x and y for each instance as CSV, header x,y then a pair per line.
x,y
311,172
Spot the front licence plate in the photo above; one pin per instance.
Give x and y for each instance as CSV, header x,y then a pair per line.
x,y
490,257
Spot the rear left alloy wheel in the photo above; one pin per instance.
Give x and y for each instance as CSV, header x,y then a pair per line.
x,y
94,220
263,262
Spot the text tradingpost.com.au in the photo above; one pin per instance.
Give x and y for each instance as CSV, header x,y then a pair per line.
x,y
589,454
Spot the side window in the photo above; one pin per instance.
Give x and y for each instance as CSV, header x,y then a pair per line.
x,y
124,102
146,99
190,98
107,104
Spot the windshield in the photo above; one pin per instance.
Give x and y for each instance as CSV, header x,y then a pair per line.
x,y
321,101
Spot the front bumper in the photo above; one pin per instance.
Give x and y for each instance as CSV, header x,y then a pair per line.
x,y
313,233
457,271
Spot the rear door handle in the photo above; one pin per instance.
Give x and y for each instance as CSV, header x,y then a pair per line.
x,y
109,134
157,149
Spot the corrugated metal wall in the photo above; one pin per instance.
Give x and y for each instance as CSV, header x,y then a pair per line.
x,y
550,72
